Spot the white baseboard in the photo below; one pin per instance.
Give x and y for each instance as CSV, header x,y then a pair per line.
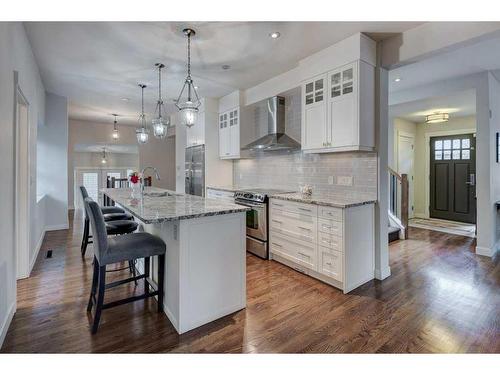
x,y
486,251
382,274
6,323
56,227
420,215
38,247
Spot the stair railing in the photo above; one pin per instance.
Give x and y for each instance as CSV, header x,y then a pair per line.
x,y
399,198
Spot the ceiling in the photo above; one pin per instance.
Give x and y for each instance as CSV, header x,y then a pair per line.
x,y
110,148
96,64
475,58
457,105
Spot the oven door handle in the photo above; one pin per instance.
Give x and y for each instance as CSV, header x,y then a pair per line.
x,y
252,205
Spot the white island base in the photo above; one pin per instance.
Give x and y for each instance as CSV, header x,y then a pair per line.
x,y
205,270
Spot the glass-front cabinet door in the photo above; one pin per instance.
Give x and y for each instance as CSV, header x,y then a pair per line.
x,y
342,108
314,113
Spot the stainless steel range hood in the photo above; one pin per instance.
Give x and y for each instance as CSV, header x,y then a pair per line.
x,y
275,139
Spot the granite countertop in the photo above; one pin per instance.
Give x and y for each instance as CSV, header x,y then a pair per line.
x,y
170,206
323,200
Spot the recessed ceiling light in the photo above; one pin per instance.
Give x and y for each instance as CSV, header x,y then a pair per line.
x,y
125,99
397,79
226,67
275,35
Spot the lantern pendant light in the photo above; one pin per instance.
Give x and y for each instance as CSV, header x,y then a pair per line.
x,y
159,124
142,133
188,107
103,160
115,134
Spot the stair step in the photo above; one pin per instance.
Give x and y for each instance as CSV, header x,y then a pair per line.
x,y
393,233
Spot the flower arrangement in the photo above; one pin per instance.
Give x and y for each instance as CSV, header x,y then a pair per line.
x,y
134,178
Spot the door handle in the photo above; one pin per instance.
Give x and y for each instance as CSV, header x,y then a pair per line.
x,y
472,180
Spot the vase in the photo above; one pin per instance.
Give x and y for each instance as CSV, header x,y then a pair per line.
x,y
136,190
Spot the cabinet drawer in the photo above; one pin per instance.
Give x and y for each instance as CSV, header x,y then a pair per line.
x,y
291,224
301,208
330,241
330,227
330,263
300,252
332,213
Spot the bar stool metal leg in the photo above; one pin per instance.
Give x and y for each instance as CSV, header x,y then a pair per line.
x,y
100,297
95,280
146,273
85,239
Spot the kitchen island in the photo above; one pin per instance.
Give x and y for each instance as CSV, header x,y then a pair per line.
x,y
205,270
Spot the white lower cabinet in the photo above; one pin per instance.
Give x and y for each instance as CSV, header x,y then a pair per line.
x,y
335,245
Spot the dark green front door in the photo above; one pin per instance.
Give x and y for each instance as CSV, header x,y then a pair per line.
x,y
453,177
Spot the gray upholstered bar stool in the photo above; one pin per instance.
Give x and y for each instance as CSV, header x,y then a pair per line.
x,y
128,247
119,222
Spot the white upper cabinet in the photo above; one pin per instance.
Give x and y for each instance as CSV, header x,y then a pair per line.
x,y
339,114
229,134
314,113
224,136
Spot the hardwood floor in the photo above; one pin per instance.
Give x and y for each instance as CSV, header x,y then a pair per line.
x,y
441,297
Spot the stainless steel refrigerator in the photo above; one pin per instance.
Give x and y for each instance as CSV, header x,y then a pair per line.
x,y
195,170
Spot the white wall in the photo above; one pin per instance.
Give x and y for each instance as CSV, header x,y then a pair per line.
x,y
15,55
53,161
159,153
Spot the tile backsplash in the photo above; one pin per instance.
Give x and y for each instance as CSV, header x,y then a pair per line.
x,y
350,174
347,174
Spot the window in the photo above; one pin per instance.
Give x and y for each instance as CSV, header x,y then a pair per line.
x,y
90,181
452,149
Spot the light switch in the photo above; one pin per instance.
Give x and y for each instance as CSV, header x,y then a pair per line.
x,y
344,180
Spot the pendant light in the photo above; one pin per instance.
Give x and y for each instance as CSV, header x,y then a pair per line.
x,y
142,133
159,124
188,107
103,160
115,134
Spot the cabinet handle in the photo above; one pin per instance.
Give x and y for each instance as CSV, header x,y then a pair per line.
x,y
304,228
276,244
328,263
326,241
277,221
304,255
278,205
327,226
304,209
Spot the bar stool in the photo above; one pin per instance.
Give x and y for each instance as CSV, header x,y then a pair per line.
x,y
120,222
127,247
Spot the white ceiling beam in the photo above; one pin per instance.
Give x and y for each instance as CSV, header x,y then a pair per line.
x,y
433,38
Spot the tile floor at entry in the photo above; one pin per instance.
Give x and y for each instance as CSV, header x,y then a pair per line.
x,y
441,297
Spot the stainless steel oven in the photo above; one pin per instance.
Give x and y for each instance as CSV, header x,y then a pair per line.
x,y
257,219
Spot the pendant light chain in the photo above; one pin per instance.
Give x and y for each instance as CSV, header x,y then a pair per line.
x,y
160,100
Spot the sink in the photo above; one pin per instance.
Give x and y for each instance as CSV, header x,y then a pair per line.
x,y
158,194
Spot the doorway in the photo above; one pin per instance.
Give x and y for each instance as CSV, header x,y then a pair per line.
x,y
406,157
22,184
453,178
94,179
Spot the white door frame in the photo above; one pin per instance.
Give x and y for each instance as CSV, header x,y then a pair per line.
x,y
22,192
411,197
428,137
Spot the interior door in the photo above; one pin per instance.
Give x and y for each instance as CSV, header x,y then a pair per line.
x,y
405,166
453,178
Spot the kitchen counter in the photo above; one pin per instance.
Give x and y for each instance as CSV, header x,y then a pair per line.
x,y
323,200
205,263
171,206
229,188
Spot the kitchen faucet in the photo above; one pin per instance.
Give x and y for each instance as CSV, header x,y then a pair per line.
x,y
157,175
